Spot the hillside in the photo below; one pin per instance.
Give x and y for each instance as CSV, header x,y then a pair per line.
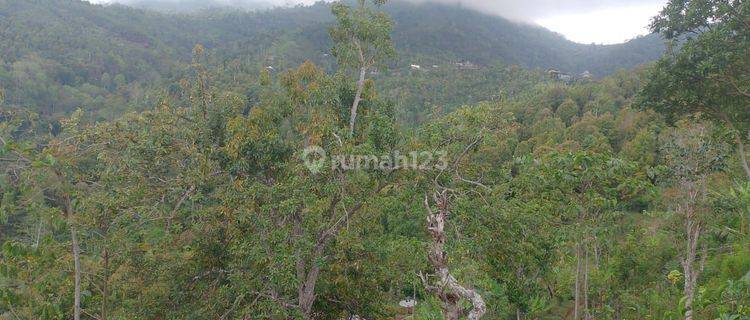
x,y
62,54
288,164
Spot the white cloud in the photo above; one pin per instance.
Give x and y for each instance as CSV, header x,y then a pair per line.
x,y
586,21
609,25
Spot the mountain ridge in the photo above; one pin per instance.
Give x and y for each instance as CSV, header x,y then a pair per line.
x,y
61,54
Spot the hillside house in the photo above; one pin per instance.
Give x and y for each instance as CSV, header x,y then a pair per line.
x,y
466,65
559,75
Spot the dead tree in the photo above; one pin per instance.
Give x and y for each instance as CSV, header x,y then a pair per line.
x,y
445,286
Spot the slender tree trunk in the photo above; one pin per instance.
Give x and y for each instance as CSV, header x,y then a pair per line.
x,y
689,268
306,289
618,307
77,271
586,312
38,234
693,228
743,155
357,98
105,285
306,280
740,144
76,260
577,288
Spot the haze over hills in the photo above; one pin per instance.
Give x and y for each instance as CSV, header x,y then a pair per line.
x,y
60,54
440,30
195,6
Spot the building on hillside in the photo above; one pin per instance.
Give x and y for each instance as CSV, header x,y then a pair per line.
x,y
559,75
415,67
466,65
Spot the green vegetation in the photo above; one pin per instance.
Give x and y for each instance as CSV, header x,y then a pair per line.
x,y
179,185
60,55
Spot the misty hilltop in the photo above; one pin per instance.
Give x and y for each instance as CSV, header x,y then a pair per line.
x,y
423,33
59,55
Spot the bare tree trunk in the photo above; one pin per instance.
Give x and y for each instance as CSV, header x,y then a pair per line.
x,y
743,155
693,228
105,286
357,99
77,271
76,260
740,144
446,287
586,312
689,268
578,282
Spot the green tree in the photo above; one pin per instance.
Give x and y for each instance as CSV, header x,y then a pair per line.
x,y
707,71
590,188
692,153
362,38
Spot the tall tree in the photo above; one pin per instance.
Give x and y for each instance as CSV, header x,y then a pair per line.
x,y
362,38
707,70
590,186
692,154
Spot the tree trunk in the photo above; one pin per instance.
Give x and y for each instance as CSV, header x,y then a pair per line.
x,y
306,279
447,288
105,285
743,155
76,260
306,291
618,307
77,271
577,289
693,233
740,143
586,312
357,99
690,270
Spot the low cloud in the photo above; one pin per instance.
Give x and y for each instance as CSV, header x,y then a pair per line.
x,y
523,10
532,10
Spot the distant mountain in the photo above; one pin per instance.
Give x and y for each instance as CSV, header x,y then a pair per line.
x,y
444,30
60,54
195,6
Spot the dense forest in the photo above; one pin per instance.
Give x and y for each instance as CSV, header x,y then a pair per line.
x,y
60,55
370,160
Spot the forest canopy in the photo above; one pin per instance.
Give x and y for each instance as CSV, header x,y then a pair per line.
x,y
368,160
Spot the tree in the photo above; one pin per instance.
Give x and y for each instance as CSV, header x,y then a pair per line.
x,y
56,177
362,38
295,213
707,71
590,187
692,154
468,139
446,287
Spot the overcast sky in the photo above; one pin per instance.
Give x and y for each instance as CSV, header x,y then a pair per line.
x,y
585,21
